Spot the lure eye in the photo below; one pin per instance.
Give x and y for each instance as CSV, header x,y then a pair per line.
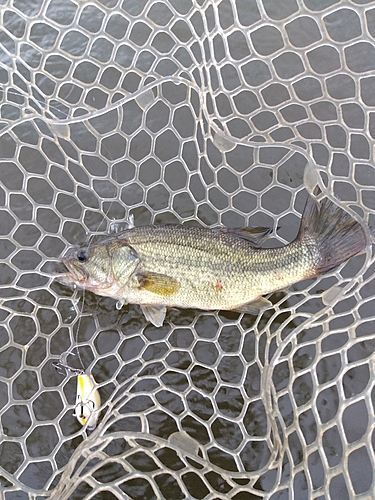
x,y
83,255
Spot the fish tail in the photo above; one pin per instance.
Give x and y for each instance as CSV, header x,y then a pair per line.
x,y
332,233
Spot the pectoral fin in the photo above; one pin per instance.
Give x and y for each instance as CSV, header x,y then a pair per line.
x,y
154,314
161,284
254,307
255,235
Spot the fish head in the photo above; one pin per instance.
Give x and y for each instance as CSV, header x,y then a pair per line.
x,y
88,267
98,267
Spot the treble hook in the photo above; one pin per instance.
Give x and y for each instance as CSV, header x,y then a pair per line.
x,y
59,366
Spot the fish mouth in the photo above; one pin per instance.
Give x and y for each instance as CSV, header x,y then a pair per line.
x,y
75,273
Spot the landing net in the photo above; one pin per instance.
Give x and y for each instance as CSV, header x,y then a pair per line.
x,y
195,112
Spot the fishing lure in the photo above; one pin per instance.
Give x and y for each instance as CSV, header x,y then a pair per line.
x,y
87,399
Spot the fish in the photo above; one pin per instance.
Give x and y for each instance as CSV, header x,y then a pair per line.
x,y
177,266
87,401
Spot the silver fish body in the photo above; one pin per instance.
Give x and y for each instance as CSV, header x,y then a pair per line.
x,y
189,267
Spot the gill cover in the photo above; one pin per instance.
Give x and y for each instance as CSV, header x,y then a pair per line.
x,y
124,260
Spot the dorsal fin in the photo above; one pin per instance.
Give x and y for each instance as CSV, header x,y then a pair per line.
x,y
255,235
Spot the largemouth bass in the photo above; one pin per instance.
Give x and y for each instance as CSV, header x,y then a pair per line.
x,y
189,267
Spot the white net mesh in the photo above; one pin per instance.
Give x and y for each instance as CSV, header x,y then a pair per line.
x,y
194,112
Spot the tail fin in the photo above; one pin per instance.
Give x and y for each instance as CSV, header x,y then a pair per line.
x,y
334,234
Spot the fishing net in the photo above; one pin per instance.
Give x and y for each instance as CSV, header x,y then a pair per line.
x,y
196,112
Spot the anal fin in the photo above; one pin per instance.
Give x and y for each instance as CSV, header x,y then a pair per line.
x,y
154,314
255,306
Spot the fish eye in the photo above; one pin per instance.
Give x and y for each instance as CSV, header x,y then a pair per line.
x,y
83,255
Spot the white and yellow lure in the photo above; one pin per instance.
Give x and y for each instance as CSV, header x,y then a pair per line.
x,y
87,401
87,407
